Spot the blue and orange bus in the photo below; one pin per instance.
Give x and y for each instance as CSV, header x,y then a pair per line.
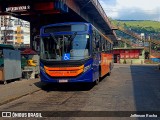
x,y
74,52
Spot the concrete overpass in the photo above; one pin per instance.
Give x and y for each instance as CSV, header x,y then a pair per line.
x,y
42,12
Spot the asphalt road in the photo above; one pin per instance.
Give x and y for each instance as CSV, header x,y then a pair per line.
x,y
129,88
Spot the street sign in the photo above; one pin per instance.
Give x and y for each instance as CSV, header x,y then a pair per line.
x,y
66,56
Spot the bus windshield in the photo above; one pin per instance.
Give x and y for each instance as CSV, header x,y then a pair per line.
x,y
65,47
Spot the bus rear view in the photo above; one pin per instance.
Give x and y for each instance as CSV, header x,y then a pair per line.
x,y
67,55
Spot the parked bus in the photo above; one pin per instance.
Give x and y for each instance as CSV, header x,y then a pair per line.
x,y
74,52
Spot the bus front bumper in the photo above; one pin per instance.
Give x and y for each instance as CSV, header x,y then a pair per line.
x,y
84,77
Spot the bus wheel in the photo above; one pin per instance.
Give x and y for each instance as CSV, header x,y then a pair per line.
x,y
109,73
97,81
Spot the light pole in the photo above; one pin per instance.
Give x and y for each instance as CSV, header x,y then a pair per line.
x,y
150,50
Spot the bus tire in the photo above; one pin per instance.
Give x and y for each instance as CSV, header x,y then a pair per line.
x,y
97,81
109,73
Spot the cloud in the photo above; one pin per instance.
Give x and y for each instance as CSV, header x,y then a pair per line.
x,y
108,2
132,9
142,4
136,14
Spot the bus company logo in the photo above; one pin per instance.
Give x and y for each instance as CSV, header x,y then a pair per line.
x,y
6,114
18,114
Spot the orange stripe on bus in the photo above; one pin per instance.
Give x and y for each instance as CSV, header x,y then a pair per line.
x,y
106,60
64,68
64,71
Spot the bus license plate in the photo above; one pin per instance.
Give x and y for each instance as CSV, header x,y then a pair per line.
x,y
63,81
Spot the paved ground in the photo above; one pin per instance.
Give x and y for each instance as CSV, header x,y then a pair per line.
x,y
16,89
129,88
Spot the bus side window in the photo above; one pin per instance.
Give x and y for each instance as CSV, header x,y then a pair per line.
x,y
94,41
100,43
97,42
103,44
111,47
108,46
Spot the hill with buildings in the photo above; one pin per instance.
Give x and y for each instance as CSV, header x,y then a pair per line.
x,y
149,28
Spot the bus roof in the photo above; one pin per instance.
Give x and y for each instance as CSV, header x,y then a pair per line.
x,y
71,23
65,23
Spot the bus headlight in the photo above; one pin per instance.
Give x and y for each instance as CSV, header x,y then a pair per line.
x,y
87,67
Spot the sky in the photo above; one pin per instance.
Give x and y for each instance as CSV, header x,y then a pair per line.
x,y
132,9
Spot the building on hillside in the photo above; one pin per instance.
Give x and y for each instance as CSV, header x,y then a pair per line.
x,y
155,57
129,55
14,31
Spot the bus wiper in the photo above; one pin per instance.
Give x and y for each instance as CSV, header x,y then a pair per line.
x,y
73,36
56,41
53,37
